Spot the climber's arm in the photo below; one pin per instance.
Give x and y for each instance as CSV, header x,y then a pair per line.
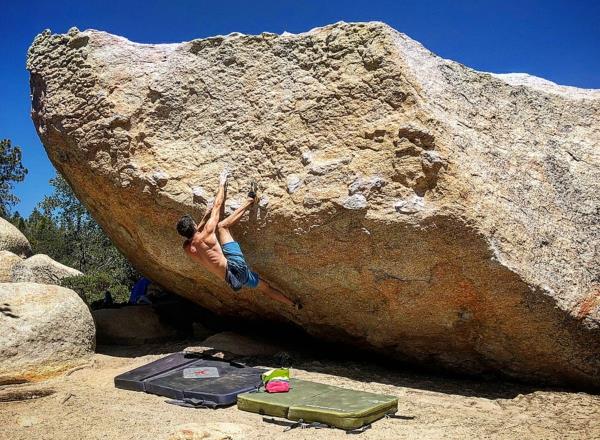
x,y
204,220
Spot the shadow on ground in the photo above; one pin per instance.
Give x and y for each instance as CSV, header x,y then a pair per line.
x,y
306,353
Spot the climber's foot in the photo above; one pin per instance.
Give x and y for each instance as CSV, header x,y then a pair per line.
x,y
253,190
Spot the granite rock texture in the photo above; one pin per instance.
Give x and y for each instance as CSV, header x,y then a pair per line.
x,y
415,206
8,261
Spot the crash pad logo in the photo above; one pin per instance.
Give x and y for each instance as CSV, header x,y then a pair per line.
x,y
200,372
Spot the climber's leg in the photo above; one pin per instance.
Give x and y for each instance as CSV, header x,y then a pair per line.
x,y
223,227
224,235
236,215
272,292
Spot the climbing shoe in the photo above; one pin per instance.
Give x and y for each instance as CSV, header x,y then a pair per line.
x,y
253,190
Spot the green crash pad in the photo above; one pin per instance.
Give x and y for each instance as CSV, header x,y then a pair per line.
x,y
315,402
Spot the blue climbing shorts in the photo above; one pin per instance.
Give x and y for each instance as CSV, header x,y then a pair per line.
x,y
237,273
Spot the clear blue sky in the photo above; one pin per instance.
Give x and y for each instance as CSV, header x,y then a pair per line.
x,y
557,40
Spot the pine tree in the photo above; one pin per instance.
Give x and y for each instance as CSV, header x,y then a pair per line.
x,y
11,171
64,229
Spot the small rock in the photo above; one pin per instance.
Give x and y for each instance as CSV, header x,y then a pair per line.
x,y
432,156
307,157
210,431
200,195
327,167
27,421
160,178
356,201
231,205
361,185
119,121
431,160
242,345
293,183
410,206
311,201
263,202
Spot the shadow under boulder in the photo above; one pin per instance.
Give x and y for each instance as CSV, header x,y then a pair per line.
x,y
132,325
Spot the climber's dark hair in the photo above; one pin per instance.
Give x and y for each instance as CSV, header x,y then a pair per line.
x,y
186,226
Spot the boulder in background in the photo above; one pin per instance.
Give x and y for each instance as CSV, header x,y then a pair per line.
x,y
44,330
13,240
41,269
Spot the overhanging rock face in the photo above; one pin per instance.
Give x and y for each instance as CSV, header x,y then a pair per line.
x,y
413,205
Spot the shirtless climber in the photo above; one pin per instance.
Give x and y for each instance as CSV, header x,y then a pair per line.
x,y
223,256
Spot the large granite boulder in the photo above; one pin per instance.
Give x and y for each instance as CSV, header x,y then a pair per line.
x,y
42,269
44,330
413,205
13,240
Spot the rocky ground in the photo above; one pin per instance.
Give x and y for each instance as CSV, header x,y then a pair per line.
x,y
84,404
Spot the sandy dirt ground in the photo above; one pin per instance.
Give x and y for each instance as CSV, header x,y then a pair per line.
x,y
85,405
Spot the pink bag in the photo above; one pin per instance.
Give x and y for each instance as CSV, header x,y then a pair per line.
x,y
277,386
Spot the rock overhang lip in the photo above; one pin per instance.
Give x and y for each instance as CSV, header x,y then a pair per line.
x,y
514,79
232,35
